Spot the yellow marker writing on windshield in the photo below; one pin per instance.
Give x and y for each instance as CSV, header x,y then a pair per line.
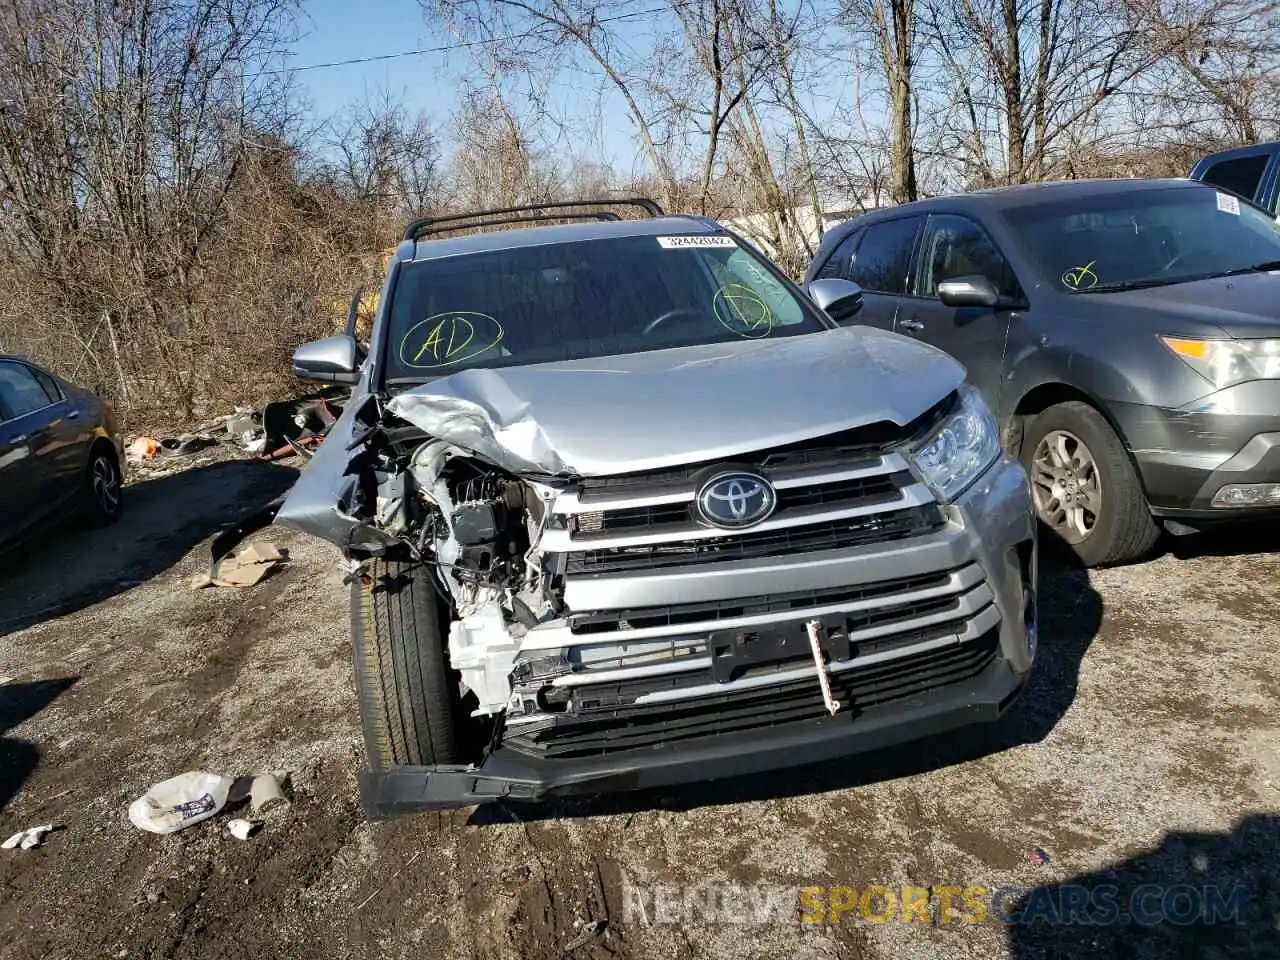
x,y
741,310
1080,277
436,338
448,339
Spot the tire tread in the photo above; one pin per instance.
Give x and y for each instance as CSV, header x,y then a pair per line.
x,y
1132,532
402,678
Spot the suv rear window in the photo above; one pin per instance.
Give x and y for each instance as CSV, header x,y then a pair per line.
x,y
591,298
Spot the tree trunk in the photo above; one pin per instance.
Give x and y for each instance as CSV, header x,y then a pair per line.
x,y
1011,81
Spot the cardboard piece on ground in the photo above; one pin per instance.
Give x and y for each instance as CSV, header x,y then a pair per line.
x,y
249,566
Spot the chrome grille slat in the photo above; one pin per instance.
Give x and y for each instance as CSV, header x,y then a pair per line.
x,y
580,502
871,596
674,555
563,540
967,601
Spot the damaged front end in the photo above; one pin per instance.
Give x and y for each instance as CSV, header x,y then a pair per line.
x,y
606,632
473,527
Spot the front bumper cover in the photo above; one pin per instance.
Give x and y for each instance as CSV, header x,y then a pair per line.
x,y
1186,455
512,776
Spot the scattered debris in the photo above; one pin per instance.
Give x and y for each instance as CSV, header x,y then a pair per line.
x,y
26,839
142,448
184,446
239,791
1038,855
283,429
252,564
588,933
243,829
300,424
180,801
244,427
266,794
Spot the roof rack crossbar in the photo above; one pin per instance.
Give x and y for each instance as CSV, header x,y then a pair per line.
x,y
426,226
602,215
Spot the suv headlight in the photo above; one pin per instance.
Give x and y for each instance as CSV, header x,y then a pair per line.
x,y
1227,362
961,448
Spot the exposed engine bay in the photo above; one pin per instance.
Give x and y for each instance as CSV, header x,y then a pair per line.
x,y
477,528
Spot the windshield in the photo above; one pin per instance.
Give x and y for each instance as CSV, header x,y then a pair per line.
x,y
591,298
1145,238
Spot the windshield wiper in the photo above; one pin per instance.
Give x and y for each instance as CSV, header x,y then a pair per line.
x,y
1255,268
1116,285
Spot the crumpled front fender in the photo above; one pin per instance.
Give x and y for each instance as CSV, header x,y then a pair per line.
x,y
315,504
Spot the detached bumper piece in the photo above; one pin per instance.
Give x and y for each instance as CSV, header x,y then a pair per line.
x,y
770,728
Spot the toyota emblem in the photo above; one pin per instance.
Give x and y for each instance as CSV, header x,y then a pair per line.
x,y
736,500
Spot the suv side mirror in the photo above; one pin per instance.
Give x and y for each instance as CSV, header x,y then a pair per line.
x,y
838,299
974,291
331,360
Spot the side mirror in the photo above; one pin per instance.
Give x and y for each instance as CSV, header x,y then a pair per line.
x,y
974,291
838,299
331,360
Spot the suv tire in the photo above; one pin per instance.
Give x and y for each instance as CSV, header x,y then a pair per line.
x,y
1097,466
406,694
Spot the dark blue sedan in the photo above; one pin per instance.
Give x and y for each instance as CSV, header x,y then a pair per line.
x,y
61,453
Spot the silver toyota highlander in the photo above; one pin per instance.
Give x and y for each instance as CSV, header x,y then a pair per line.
x,y
621,506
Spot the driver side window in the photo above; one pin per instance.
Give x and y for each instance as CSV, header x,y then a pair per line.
x,y
956,247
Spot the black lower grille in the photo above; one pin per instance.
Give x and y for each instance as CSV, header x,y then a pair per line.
x,y
809,538
639,727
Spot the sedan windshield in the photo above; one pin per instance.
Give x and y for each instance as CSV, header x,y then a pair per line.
x,y
1145,238
566,301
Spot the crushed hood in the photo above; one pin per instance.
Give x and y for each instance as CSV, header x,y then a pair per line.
x,y
663,408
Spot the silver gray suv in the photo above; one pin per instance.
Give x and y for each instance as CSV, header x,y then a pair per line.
x,y
621,506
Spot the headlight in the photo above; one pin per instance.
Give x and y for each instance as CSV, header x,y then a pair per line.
x,y
1226,362
960,449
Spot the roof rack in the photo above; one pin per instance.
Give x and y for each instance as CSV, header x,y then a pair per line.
x,y
476,218
601,215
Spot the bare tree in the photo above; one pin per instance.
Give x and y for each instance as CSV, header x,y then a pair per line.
x,y
388,155
1217,67
544,32
891,27
1030,73
783,34
119,145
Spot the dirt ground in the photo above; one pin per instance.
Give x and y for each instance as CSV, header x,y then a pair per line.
x,y
1145,751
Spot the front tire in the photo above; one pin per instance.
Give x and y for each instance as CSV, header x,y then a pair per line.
x,y
103,492
403,684
1086,491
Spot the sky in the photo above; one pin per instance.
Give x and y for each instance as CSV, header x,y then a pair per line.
x,y
333,30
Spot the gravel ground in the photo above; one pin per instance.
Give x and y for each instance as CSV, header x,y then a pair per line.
x,y
1144,753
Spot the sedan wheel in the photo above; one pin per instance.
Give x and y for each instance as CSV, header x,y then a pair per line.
x,y
103,496
1066,484
106,485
